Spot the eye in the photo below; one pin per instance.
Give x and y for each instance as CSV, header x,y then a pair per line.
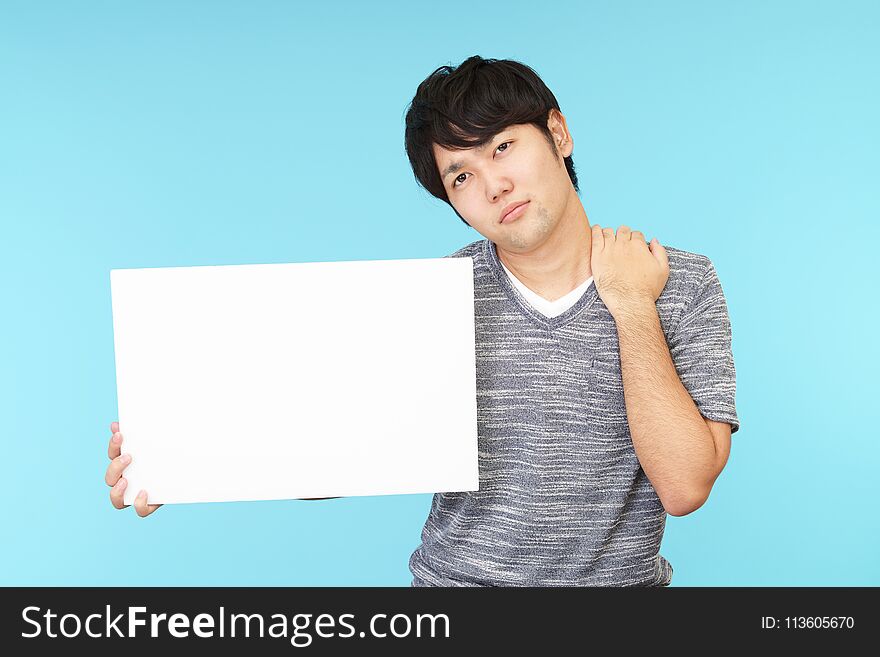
x,y
464,174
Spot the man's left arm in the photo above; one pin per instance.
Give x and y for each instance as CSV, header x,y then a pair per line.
x,y
681,452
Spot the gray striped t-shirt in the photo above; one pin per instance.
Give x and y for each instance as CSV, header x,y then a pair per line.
x,y
563,500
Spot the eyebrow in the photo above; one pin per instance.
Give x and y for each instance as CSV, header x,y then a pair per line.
x,y
458,165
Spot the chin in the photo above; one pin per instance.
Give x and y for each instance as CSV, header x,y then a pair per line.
x,y
528,236
521,242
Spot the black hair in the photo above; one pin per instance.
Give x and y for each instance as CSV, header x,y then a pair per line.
x,y
465,106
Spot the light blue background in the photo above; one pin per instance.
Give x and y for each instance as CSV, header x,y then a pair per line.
x,y
154,134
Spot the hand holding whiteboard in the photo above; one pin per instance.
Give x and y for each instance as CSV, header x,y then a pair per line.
x,y
281,381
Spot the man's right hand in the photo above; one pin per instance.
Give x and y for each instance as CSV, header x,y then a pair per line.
x,y
114,476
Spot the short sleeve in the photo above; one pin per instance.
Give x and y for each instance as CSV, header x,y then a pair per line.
x,y
702,351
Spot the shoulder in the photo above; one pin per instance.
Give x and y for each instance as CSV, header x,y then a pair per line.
x,y
467,251
685,266
688,273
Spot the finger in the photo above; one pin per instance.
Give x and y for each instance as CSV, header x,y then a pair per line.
x,y
660,253
623,232
114,427
598,238
117,493
114,470
115,448
140,505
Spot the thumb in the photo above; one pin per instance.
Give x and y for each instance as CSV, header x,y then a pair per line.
x,y
659,253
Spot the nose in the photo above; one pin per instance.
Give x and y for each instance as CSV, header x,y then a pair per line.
x,y
496,187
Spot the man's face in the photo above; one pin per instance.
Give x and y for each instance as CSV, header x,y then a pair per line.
x,y
516,165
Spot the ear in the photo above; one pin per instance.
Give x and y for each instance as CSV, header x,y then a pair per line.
x,y
561,136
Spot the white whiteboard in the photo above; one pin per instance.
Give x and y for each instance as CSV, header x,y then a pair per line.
x,y
281,381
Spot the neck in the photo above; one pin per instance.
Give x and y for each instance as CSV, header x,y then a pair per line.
x,y
560,263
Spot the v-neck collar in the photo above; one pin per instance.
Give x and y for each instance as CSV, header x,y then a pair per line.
x,y
587,298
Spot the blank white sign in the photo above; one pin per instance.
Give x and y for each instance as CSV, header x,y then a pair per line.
x,y
282,381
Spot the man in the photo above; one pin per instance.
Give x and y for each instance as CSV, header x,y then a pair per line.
x,y
605,376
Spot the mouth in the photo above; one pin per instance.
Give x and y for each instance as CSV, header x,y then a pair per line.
x,y
515,213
